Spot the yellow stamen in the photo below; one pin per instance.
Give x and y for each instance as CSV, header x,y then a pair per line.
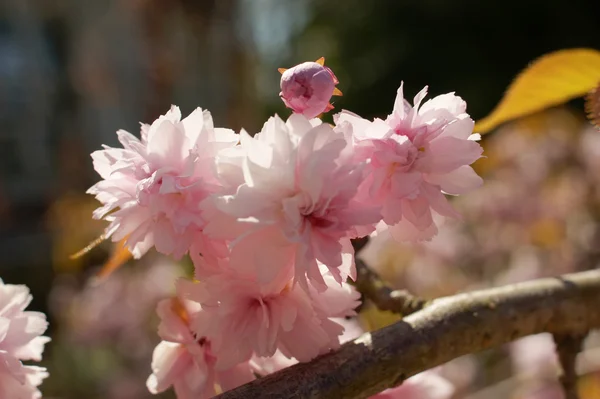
x,y
321,61
337,92
282,70
288,287
179,310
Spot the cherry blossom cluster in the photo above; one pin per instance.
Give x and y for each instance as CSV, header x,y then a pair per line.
x,y
268,219
20,339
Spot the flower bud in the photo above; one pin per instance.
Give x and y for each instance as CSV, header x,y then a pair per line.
x,y
308,87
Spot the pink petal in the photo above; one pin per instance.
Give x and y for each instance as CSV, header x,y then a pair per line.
x,y
169,361
459,181
168,145
235,377
446,154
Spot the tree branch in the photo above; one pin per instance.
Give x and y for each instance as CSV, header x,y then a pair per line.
x,y
448,328
372,287
567,348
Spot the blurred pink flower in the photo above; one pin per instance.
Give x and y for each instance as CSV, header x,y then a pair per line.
x,y
540,390
152,188
308,87
297,203
20,339
89,313
536,366
416,156
117,315
276,316
185,360
426,385
535,356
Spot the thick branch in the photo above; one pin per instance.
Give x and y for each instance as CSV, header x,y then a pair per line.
x,y
448,328
372,287
567,348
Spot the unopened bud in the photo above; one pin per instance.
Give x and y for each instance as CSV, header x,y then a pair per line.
x,y
308,87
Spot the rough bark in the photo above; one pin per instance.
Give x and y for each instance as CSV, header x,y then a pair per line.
x,y
446,329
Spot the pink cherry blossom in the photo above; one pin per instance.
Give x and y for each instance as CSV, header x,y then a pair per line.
x,y
185,360
416,155
308,87
152,187
278,361
297,203
20,339
268,221
279,315
21,382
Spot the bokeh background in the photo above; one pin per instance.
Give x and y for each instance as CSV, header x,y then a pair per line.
x,y
72,72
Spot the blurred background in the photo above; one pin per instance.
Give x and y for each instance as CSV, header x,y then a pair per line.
x,y
72,72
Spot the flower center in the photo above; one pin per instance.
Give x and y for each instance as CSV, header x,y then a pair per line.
x,y
320,222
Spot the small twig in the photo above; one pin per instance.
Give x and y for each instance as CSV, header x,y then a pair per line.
x,y
567,348
372,287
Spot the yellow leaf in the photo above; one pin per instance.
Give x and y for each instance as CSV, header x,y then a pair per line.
x,y
550,80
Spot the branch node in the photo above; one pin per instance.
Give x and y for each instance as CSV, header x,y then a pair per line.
x,y
372,287
567,348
